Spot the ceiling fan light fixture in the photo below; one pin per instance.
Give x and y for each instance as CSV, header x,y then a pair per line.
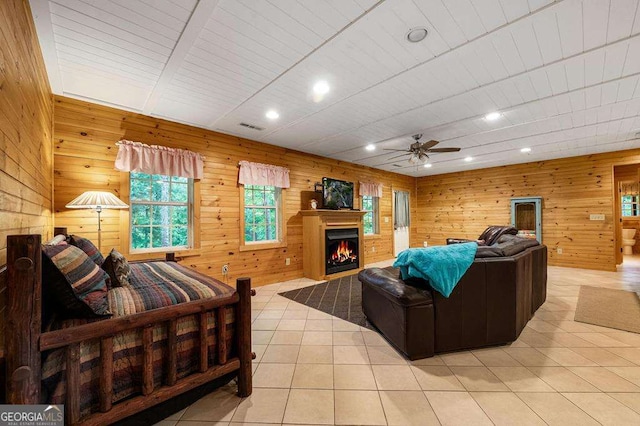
x,y
525,150
417,159
492,116
370,147
417,34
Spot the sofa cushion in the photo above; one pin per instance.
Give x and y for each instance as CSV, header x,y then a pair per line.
x,y
489,251
515,245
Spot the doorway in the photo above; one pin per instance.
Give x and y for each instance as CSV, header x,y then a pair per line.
x,y
626,181
401,221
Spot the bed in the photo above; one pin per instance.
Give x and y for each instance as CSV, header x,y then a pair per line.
x,y
153,346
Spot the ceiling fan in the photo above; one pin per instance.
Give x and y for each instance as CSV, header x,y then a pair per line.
x,y
419,151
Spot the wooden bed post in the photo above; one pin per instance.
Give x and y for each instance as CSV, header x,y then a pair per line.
x,y
243,319
24,293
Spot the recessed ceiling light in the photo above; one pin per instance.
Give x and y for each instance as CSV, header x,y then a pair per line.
x,y
428,165
415,35
525,150
321,88
492,116
467,159
370,147
272,114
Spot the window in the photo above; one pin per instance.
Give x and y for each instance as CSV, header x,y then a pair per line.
x,y
370,205
161,212
629,205
262,214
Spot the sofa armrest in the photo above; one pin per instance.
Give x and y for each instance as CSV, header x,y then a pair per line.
x,y
392,287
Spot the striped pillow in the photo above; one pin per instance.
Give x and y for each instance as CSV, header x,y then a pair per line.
x,y
88,247
74,281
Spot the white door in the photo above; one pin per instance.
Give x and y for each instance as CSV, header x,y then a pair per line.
x,y
401,221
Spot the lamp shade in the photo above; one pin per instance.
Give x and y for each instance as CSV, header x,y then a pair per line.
x,y
97,199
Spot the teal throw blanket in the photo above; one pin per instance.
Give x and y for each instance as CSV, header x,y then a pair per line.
x,y
442,266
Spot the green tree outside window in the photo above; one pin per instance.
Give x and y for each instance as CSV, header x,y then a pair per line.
x,y
629,204
261,215
370,219
160,211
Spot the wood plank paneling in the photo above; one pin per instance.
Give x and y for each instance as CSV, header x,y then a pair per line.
x,y
463,204
84,150
26,119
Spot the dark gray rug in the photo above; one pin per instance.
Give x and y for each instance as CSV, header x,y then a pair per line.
x,y
341,298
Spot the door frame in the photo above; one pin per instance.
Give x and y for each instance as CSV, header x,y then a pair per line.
x,y
617,210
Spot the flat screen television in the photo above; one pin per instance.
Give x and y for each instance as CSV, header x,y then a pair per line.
x,y
337,194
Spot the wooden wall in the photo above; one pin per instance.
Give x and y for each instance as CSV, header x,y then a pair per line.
x,y
84,153
26,114
463,204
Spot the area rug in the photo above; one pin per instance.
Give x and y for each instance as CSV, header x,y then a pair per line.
x,y
341,297
607,307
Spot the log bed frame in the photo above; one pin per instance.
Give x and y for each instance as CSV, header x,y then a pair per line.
x,y
25,342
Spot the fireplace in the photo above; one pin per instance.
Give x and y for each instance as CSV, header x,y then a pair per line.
x,y
341,250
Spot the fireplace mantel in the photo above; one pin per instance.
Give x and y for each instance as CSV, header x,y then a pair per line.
x,y
314,225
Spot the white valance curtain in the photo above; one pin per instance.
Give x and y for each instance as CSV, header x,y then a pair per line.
x,y
158,160
263,174
629,188
371,189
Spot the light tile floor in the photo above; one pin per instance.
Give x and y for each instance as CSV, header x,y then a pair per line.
x,y
312,368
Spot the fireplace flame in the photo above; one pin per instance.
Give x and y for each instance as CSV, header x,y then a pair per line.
x,y
343,253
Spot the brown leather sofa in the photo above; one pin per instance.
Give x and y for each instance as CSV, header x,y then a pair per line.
x,y
490,305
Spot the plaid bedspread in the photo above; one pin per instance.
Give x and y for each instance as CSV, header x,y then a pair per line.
x,y
153,285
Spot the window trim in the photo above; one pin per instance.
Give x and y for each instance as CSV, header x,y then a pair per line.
x,y
282,228
145,254
634,204
375,213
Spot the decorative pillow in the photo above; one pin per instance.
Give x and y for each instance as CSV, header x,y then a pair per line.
x,y
77,284
88,247
118,269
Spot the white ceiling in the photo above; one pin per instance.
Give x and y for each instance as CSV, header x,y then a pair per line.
x,y
564,74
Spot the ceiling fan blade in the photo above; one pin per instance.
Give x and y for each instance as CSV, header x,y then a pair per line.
x,y
401,150
398,156
429,144
444,150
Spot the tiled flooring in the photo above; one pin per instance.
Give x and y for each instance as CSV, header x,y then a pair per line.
x,y
315,369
